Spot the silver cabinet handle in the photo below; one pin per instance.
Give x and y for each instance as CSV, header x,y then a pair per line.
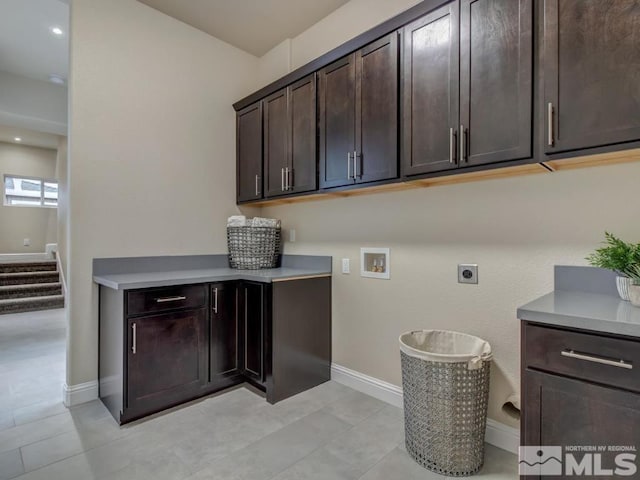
x,y
452,146
356,156
463,146
349,176
287,175
215,300
257,190
550,124
282,179
177,298
594,359
134,341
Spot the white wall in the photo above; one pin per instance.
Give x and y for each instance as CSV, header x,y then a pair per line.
x,y
18,223
151,147
62,219
32,104
515,229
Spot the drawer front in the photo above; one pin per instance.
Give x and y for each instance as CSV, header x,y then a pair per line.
x,y
592,357
166,298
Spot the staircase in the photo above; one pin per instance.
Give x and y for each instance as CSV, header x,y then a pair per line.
x,y
30,286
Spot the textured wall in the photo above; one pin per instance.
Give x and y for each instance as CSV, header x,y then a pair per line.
x,y
18,223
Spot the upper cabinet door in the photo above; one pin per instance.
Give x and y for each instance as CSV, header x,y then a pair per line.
x,y
337,103
496,80
302,175
376,156
249,152
591,73
430,91
276,142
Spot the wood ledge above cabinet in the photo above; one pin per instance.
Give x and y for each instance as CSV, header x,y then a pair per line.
x,y
602,159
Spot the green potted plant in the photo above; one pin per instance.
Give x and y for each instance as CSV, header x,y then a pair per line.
x,y
634,288
619,256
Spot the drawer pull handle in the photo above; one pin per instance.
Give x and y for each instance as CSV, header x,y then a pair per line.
x,y
591,358
170,299
134,340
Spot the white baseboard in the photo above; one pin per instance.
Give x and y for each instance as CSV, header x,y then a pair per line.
x,y
81,393
374,387
497,434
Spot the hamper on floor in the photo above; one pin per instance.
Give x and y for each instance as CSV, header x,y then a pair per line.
x,y
445,380
253,248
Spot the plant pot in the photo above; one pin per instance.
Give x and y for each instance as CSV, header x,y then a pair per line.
x,y
634,295
623,284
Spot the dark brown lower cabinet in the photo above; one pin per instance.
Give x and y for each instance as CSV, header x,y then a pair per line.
x,y
224,345
571,398
160,347
253,318
174,346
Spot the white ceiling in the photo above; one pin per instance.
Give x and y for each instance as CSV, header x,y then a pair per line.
x,y
29,137
27,46
255,26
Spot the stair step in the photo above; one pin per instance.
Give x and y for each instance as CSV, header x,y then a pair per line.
x,y
30,290
24,278
46,266
30,304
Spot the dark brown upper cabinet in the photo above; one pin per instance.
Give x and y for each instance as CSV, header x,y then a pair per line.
x,y
358,128
591,73
430,90
496,81
467,85
249,153
290,139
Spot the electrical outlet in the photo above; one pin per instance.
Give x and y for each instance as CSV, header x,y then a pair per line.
x,y
468,273
27,242
292,235
346,268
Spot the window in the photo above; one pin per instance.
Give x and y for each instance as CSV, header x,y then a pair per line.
x,y
30,191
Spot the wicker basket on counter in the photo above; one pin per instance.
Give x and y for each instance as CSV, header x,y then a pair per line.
x,y
253,248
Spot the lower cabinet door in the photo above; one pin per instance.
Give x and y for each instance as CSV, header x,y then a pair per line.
x,y
166,360
254,329
564,412
224,354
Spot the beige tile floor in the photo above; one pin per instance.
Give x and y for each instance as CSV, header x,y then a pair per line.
x,y
330,432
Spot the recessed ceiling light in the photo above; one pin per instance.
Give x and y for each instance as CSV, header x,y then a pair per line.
x,y
57,79
17,139
57,31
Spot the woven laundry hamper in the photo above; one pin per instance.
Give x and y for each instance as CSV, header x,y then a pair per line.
x,y
445,380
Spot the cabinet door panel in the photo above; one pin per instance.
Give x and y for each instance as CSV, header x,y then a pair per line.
x,y
168,362
337,101
303,175
430,91
565,412
253,297
591,72
224,352
249,153
496,79
377,110
276,145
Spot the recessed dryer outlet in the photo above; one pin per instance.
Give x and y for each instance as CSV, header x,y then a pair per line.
x,y
468,273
